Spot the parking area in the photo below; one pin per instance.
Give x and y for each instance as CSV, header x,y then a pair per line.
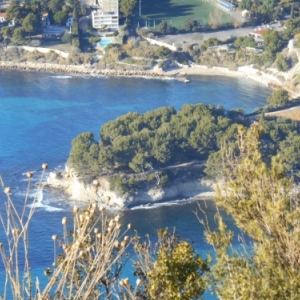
x,y
221,35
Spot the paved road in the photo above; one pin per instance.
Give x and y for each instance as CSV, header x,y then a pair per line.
x,y
190,37
221,35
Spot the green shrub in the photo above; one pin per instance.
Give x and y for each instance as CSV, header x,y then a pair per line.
x,y
162,52
67,38
75,42
131,181
52,56
281,63
190,25
164,180
94,39
186,268
279,98
151,177
19,34
118,184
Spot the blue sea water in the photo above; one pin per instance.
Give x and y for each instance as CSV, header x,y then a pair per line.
x,y
41,113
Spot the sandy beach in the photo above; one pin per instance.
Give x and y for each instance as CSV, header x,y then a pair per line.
x,y
269,79
243,72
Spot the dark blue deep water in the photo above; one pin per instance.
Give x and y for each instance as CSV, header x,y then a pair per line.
x,y
40,114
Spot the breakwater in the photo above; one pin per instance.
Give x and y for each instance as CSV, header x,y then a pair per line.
x,y
80,70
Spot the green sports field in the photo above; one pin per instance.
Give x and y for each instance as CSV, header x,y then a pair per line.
x,y
175,12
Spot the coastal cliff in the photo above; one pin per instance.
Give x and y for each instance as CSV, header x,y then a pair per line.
x,y
99,190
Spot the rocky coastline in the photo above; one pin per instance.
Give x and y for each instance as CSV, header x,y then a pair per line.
x,y
98,191
80,70
176,72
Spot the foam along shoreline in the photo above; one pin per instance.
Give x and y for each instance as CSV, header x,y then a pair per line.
x,y
102,194
203,197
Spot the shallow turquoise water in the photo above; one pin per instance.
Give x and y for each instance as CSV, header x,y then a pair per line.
x,y
41,113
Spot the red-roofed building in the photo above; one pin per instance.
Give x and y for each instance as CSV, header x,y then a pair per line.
x,y
257,34
2,17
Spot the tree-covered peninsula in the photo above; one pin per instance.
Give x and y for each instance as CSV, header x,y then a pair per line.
x,y
136,143
157,138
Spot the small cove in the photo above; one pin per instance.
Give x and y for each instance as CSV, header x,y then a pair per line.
x,y
41,114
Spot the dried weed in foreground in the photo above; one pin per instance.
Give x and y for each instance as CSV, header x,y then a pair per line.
x,y
88,259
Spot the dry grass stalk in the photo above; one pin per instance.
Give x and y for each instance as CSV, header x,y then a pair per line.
x,y
15,225
92,257
87,259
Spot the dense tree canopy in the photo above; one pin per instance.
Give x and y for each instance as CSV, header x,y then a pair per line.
x,y
190,25
279,98
163,27
19,34
60,17
31,23
163,137
127,7
157,138
56,5
246,41
83,151
281,63
177,274
16,12
58,10
272,41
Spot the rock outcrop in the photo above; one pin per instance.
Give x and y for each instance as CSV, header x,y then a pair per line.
x,y
98,190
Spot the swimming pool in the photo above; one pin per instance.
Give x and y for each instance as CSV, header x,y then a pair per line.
x,y
104,42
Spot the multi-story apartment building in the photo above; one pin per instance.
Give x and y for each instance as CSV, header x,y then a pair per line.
x,y
106,14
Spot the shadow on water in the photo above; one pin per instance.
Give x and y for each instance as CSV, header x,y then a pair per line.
x,y
181,217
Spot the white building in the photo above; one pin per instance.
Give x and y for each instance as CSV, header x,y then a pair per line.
x,y
106,14
70,21
226,5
